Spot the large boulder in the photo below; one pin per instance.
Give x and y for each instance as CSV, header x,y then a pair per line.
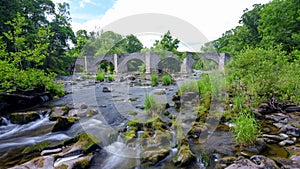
x,y
24,117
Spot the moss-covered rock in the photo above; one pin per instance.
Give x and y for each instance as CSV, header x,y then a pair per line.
x,y
225,162
59,111
44,162
135,124
197,129
36,147
166,113
83,143
156,123
63,123
91,112
24,117
154,155
129,135
184,155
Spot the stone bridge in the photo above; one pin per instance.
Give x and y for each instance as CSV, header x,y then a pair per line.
x,y
152,61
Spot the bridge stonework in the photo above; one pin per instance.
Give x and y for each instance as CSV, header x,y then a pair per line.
x,y
150,59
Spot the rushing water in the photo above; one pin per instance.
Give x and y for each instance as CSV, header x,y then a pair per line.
x,y
114,111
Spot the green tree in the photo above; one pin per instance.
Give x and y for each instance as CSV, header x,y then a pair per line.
x,y
167,43
19,68
280,24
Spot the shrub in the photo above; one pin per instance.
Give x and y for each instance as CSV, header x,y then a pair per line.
x,y
265,74
154,79
204,85
100,76
246,129
111,78
166,79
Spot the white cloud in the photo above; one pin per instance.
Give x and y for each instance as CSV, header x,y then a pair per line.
x,y
61,1
89,26
83,2
211,17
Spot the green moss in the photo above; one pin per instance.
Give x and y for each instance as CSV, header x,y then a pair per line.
x,y
129,135
156,123
184,155
86,141
24,117
133,99
63,123
133,113
63,166
36,148
135,124
166,113
145,134
91,113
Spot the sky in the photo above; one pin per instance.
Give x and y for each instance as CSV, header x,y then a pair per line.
x,y
210,18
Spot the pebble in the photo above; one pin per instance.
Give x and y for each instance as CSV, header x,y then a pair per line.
x,y
286,142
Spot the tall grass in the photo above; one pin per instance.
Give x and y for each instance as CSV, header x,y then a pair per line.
x,y
166,79
190,86
246,129
154,79
150,102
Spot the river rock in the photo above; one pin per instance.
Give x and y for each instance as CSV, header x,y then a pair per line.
x,y
44,162
81,162
276,117
63,123
59,111
293,109
291,130
296,160
257,148
286,142
264,162
196,130
154,155
184,155
106,89
190,97
258,162
274,137
284,162
225,162
24,117
81,144
52,151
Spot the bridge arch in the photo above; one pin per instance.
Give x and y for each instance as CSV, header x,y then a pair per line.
x,y
122,66
169,64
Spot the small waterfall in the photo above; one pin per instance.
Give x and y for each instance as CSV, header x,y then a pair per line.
x,y
5,121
